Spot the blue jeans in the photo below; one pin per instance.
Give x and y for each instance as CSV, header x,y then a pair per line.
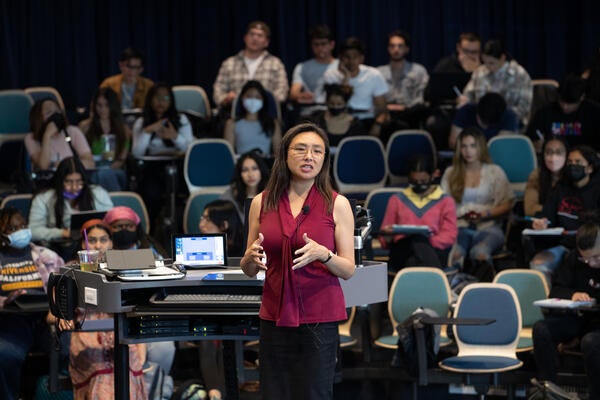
x,y
480,244
161,353
19,333
547,261
113,180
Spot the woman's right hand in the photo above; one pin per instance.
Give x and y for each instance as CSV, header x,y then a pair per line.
x,y
66,233
51,129
155,127
539,223
253,259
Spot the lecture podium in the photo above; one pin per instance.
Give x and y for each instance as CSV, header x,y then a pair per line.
x,y
129,301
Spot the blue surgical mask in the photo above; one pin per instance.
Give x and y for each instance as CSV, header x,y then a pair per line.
x,y
71,195
252,105
20,239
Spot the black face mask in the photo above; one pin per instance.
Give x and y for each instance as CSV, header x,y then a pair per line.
x,y
336,110
575,173
421,187
124,239
59,121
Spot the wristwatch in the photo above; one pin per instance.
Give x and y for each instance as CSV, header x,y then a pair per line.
x,y
329,256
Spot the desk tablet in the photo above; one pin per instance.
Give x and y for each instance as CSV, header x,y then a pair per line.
x,y
411,229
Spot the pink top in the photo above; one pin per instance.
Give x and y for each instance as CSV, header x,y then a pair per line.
x,y
436,210
59,147
308,295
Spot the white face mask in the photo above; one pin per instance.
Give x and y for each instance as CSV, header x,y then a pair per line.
x,y
252,105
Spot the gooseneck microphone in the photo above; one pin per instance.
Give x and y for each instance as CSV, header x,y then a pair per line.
x,y
306,210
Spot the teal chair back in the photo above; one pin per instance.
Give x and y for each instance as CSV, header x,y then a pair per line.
x,y
208,164
192,99
14,112
516,155
21,202
195,207
136,203
416,287
402,146
529,285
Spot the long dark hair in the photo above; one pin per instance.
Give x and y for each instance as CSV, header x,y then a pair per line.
x,y
85,200
37,123
545,176
171,114
117,122
238,187
279,180
221,211
266,122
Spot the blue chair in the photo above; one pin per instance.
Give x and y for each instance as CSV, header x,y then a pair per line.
x,y
21,202
529,285
516,155
376,202
486,349
359,166
136,203
44,92
14,114
209,163
194,208
415,287
403,145
192,100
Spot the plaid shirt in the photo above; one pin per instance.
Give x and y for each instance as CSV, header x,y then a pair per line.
x,y
511,81
233,74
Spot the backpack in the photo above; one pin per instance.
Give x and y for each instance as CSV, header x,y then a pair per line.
x,y
407,355
159,385
192,389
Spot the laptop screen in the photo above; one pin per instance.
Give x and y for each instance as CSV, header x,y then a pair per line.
x,y
200,250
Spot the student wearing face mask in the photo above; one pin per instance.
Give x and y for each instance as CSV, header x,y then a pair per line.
x,y
422,203
24,267
565,205
127,232
336,121
253,128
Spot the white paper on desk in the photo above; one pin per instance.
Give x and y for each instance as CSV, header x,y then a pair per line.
x,y
562,303
543,232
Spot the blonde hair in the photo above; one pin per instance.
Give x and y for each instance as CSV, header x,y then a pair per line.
x,y
456,178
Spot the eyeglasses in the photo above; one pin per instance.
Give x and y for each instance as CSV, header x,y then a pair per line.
x,y
73,182
593,260
204,218
301,151
134,67
554,153
102,240
469,51
119,227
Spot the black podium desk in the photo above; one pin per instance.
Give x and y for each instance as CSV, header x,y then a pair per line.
x,y
129,301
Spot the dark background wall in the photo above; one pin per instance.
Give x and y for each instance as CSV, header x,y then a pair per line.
x,y
73,44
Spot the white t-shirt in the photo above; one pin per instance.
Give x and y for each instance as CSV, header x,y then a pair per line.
x,y
252,65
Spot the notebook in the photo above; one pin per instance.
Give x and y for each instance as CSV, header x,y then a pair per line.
x,y
202,250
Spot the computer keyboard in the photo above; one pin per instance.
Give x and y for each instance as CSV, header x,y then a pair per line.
x,y
211,299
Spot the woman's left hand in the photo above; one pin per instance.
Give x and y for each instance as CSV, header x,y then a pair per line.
x,y
168,131
310,252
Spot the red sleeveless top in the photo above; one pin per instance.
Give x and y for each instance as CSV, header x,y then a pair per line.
x,y
310,294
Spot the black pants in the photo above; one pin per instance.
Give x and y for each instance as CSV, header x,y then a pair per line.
x,y
298,363
415,251
551,331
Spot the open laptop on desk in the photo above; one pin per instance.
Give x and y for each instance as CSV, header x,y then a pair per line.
x,y
80,218
200,251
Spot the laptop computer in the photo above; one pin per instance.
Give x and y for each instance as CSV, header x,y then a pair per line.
x,y
202,250
128,260
80,218
440,88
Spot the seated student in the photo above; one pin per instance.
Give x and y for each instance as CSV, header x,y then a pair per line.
x,y
51,210
128,233
253,128
337,121
577,279
23,267
160,131
423,203
48,143
92,353
490,114
566,204
109,138
220,216
249,178
129,85
546,176
483,196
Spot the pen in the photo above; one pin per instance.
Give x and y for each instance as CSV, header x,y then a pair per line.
x,y
458,93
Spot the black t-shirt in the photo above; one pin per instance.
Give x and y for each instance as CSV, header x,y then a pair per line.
x,y
579,127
